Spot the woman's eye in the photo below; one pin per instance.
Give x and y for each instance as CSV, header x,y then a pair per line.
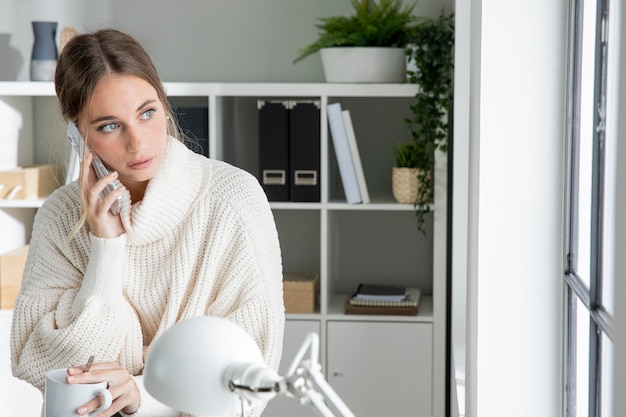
x,y
110,127
147,114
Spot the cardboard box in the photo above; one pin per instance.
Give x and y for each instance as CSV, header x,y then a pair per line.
x,y
301,292
11,271
35,181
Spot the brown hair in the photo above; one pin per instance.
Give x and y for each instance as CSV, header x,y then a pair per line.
x,y
87,58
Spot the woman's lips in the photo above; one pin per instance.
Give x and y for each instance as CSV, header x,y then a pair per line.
x,y
142,164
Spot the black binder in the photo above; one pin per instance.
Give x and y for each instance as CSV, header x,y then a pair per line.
x,y
194,123
304,151
274,149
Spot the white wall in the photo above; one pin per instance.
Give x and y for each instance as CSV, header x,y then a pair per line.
x,y
514,246
200,40
461,165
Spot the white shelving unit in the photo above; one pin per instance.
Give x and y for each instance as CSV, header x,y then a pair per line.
x,y
394,365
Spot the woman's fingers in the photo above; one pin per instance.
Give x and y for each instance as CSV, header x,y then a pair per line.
x,y
120,384
94,404
95,193
93,187
96,370
101,221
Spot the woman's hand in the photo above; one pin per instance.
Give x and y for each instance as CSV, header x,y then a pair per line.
x,y
101,221
120,383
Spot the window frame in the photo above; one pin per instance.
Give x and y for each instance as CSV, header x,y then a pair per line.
x,y
574,286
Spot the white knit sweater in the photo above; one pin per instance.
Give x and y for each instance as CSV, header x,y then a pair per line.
x,y
202,242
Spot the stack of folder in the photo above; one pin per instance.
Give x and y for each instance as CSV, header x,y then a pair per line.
x,y
383,300
289,149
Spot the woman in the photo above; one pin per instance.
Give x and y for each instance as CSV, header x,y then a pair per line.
x,y
196,238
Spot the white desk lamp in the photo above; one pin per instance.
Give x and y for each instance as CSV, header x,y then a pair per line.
x,y
209,365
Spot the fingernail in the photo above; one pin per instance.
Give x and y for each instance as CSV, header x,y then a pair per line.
x,y
82,410
71,378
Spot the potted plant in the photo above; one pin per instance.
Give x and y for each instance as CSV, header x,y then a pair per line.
x,y
409,175
351,46
431,51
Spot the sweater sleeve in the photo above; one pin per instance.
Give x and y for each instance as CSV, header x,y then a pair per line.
x,y
71,303
251,292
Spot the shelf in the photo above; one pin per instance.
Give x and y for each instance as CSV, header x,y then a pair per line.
x,y
336,311
290,89
337,205
26,88
303,316
22,203
193,89
344,243
390,206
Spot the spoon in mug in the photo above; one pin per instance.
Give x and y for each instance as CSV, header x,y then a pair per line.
x,y
89,363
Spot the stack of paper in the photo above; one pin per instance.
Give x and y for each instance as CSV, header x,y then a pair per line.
x,y
382,299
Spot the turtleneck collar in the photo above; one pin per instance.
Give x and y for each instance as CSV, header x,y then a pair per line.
x,y
168,198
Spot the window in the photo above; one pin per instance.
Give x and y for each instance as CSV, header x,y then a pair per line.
x,y
588,254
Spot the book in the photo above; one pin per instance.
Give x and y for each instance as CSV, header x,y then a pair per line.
x,y
380,310
356,157
412,299
342,152
304,150
375,292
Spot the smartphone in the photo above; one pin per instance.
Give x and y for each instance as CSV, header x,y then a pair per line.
x,y
77,141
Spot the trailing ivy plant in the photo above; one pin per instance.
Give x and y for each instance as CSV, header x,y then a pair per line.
x,y
431,50
387,23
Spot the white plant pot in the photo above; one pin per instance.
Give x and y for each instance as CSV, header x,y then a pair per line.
x,y
364,64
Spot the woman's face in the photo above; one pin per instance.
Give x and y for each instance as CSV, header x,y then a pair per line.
x,y
126,127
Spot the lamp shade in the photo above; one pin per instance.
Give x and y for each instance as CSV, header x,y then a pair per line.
x,y
190,365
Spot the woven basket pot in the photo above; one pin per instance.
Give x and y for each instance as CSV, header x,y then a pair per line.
x,y
405,184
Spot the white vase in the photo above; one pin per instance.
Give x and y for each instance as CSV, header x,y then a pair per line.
x,y
364,64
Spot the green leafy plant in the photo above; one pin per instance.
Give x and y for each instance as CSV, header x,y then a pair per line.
x,y
405,154
411,155
432,49
384,23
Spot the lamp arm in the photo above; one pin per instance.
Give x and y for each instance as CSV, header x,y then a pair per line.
x,y
311,343
322,390
305,381
221,357
317,400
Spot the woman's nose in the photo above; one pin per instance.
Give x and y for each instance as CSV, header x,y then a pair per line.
x,y
134,141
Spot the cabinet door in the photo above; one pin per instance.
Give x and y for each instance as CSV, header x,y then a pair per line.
x,y
295,333
382,369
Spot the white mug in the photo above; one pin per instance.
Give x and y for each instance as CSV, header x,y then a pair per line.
x,y
63,399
